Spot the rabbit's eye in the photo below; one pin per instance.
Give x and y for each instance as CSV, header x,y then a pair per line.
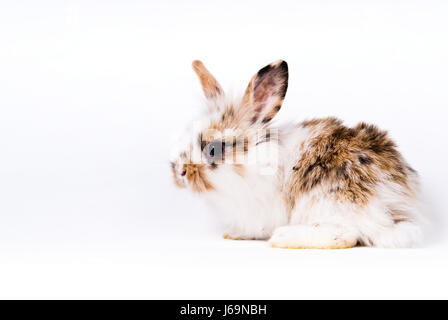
x,y
214,150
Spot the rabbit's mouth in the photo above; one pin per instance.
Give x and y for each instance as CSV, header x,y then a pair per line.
x,y
179,180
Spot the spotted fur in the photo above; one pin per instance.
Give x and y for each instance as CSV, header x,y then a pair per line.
x,y
315,184
347,162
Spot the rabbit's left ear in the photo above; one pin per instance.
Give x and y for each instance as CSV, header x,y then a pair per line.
x,y
266,91
210,86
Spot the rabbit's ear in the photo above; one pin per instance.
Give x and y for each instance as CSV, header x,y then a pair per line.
x,y
210,86
264,95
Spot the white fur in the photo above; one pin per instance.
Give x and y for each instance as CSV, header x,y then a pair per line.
x,y
247,205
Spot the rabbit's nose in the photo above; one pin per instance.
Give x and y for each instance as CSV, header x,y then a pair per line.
x,y
184,170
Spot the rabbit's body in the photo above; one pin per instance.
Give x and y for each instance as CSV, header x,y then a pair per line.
x,y
316,184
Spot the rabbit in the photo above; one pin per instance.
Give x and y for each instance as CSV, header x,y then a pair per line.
x,y
317,184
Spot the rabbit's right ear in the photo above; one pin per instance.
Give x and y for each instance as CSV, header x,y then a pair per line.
x,y
210,86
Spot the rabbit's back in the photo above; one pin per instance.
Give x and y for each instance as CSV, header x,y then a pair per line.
x,y
348,164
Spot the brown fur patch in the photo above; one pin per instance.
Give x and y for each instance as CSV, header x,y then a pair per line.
x,y
231,117
209,84
195,174
345,161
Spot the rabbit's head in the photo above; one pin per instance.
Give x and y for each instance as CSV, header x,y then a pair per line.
x,y
222,139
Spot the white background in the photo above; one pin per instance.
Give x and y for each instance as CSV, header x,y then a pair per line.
x,y
91,93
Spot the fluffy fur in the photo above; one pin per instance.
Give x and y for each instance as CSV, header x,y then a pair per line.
x,y
315,184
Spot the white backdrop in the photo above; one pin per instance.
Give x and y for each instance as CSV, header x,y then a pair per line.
x,y
91,93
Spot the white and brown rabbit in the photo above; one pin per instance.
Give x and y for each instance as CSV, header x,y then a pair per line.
x,y
314,184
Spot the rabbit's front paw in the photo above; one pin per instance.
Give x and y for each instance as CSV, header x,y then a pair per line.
x,y
234,236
